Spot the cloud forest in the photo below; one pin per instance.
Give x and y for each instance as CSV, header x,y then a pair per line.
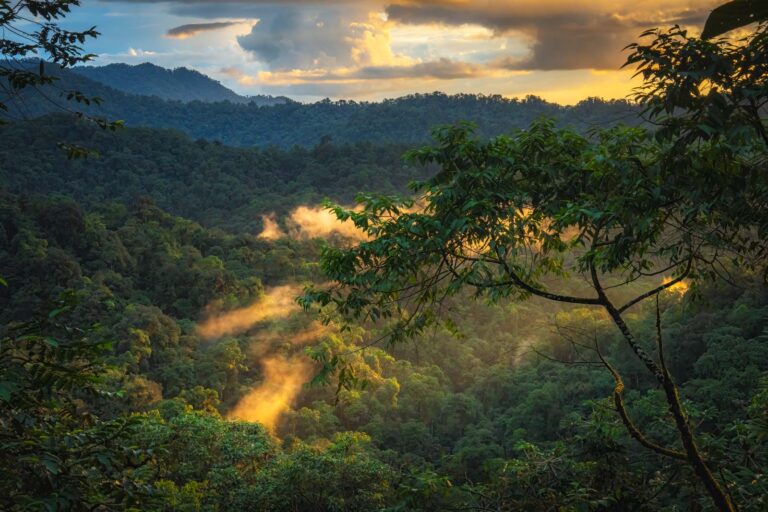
x,y
383,256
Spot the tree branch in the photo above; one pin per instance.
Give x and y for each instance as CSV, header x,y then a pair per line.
x,y
658,289
615,315
618,400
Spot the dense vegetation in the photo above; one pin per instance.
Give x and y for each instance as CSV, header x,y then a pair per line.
x,y
558,321
517,216
180,84
505,427
211,183
403,120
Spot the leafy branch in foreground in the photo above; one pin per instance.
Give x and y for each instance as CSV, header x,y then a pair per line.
x,y
33,41
732,15
512,217
46,40
516,217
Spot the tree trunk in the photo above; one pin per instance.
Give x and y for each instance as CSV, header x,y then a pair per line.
x,y
694,456
695,459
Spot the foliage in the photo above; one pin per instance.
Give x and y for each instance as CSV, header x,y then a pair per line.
x,y
213,184
708,98
515,216
34,48
115,401
451,425
48,40
146,277
56,453
732,15
502,215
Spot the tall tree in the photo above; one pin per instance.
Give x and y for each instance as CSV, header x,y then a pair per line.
x,y
518,216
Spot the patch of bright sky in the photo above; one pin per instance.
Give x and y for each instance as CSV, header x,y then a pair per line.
x,y
472,43
563,87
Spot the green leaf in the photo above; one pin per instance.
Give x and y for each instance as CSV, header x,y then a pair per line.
x,y
54,313
52,465
5,391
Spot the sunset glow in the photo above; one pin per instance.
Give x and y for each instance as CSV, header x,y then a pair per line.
x,y
374,49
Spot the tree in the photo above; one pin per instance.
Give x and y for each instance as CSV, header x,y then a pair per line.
x,y
515,217
708,98
47,41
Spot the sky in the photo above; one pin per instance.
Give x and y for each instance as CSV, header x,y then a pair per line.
x,y
563,51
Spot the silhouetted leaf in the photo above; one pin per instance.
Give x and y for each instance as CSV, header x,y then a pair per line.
x,y
733,15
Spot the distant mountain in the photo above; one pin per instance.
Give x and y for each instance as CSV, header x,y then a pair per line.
x,y
407,120
180,84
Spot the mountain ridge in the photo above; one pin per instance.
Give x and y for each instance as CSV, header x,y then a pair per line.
x,y
408,119
181,83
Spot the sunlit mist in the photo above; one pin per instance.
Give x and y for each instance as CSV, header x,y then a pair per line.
x,y
271,229
319,223
680,288
277,302
283,380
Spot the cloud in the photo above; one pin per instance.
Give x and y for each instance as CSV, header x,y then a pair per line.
x,y
318,222
322,223
271,230
339,41
308,222
193,29
562,35
283,374
138,52
441,69
505,15
285,335
371,49
290,38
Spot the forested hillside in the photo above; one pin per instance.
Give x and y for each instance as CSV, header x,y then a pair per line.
x,y
199,328
408,119
211,183
488,415
180,84
503,305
